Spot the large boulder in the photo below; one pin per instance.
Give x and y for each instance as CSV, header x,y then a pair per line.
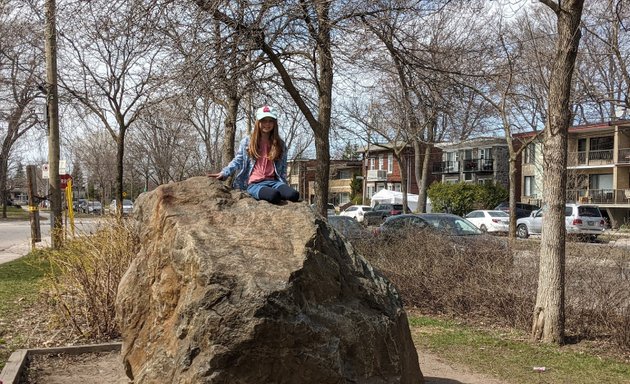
x,y
227,289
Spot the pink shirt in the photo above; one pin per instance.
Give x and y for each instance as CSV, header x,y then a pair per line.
x,y
263,168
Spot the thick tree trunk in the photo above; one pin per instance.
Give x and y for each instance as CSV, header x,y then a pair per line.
x,y
227,152
548,319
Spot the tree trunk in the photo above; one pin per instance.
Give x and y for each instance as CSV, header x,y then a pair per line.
x,y
52,100
548,319
120,155
422,186
512,195
227,152
403,179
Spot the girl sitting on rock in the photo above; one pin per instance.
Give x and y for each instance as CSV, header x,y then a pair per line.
x,y
262,162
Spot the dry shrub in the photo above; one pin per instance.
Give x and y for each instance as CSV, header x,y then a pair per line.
x,y
469,276
485,278
82,283
598,292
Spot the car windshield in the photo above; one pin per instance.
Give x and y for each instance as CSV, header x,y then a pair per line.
x,y
397,207
498,214
127,202
453,225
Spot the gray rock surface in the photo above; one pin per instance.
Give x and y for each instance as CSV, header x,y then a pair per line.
x,y
226,289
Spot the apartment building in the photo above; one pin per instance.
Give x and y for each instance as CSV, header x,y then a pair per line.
x,y
598,168
382,171
479,160
301,176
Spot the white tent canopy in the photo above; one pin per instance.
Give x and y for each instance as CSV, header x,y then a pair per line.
x,y
393,197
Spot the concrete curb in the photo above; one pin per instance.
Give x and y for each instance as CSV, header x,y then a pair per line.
x,y
18,361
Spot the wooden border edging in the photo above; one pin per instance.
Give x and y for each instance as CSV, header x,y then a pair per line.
x,y
12,372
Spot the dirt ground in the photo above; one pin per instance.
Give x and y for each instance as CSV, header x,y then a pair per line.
x,y
106,368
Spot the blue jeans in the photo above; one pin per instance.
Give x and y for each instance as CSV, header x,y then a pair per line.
x,y
272,191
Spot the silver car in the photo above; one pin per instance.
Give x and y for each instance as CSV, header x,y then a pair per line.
x,y
581,220
127,207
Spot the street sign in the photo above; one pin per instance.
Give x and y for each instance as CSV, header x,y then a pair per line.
x,y
64,181
46,169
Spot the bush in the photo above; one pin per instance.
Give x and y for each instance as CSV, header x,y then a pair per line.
x,y
462,198
82,283
440,276
487,281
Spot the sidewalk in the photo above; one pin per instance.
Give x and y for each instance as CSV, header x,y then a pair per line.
x,y
15,251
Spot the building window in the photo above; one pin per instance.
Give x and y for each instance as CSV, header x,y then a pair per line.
x,y
601,143
485,153
390,163
370,191
529,155
601,182
529,188
381,160
468,176
397,187
346,173
372,163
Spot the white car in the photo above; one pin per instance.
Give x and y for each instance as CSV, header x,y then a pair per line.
x,y
490,220
356,212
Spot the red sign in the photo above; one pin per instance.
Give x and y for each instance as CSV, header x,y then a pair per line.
x,y
64,181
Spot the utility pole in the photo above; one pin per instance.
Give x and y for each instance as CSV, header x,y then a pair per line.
x,y
52,103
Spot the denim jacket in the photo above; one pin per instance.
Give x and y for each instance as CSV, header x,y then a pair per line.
x,y
245,164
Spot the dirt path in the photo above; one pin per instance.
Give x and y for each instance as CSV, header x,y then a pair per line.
x,y
106,368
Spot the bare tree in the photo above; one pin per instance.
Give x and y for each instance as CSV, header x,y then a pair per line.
x,y
603,72
548,319
303,59
20,75
114,66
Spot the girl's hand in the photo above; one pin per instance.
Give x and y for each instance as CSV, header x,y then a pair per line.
x,y
218,176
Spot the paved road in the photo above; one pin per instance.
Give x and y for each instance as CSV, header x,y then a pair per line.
x,y
15,236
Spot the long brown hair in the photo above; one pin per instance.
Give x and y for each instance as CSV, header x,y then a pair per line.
x,y
276,142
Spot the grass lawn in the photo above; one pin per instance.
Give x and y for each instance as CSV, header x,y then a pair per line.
x,y
19,284
513,357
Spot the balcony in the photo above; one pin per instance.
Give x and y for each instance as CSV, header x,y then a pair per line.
x,y
446,167
478,165
599,196
590,158
377,175
624,156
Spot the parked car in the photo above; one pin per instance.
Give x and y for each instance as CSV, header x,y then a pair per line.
x,y
77,204
403,222
490,220
450,224
348,227
127,207
356,212
522,209
380,212
461,233
92,207
581,220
